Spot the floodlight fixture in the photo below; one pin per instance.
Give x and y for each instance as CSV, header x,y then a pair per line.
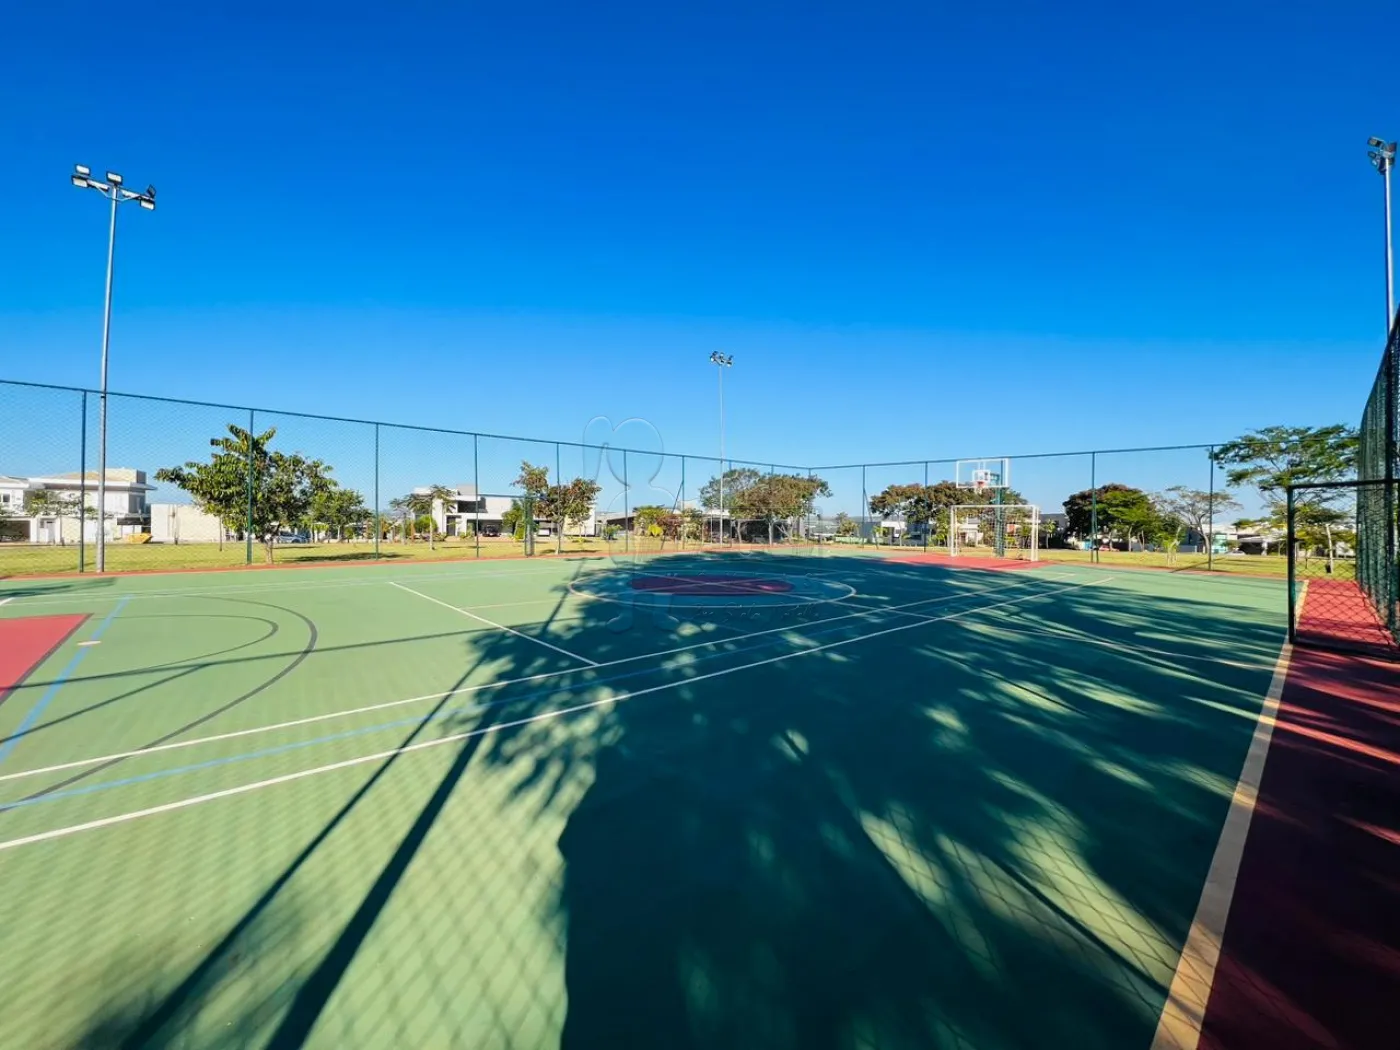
x,y
114,178
1382,156
148,204
82,169
78,181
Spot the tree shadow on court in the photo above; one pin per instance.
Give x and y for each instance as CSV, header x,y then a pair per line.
x,y
983,819
163,1012
37,587
232,1006
973,837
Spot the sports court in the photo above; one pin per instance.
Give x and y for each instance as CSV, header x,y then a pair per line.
x,y
812,799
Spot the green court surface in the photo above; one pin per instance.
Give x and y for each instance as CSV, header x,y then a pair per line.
x,y
770,801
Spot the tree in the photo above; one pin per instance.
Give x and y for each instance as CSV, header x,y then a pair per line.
x,y
1196,509
250,487
418,505
929,505
736,481
1120,508
692,523
337,508
845,524
1321,528
774,497
570,504
1273,458
513,518
557,504
649,515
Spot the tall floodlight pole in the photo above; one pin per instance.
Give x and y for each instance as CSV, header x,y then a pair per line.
x,y
721,362
115,192
1383,157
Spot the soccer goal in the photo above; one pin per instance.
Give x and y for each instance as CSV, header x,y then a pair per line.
x,y
1002,530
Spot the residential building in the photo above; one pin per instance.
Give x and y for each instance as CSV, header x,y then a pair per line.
x,y
465,510
45,508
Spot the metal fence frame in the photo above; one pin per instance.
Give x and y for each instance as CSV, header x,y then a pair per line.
x,y
381,429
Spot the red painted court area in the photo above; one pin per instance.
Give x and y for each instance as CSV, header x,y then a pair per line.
x,y
1311,954
27,642
709,584
1337,613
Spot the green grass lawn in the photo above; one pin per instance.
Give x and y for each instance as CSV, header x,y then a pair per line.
x,y
30,560
18,559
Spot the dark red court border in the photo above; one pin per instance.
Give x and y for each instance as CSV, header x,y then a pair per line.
x,y
707,584
1311,953
966,562
26,642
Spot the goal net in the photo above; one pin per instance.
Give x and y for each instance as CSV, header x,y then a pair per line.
x,y
1007,531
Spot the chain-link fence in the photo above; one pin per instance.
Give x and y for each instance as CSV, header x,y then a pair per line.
x,y
197,485
1378,566
1330,603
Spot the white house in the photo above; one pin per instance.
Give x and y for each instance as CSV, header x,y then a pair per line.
x,y
465,510
44,509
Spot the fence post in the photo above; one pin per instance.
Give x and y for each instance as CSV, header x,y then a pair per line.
x,y
248,523
82,482
683,520
864,507
1292,582
928,525
1210,514
561,523
476,486
378,526
1093,508
1391,365
626,508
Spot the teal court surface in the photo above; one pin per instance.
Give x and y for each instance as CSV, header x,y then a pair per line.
x,y
720,800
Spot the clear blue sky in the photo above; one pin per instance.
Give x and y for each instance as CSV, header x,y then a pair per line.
x,y
922,230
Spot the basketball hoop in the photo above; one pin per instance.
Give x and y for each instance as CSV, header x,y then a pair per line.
x,y
979,485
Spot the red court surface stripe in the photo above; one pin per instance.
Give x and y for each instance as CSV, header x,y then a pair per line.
x,y
1311,953
28,641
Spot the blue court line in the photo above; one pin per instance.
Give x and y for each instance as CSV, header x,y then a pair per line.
x,y
57,683
246,756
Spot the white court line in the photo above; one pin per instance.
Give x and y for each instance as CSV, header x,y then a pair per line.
x,y
616,698
498,626
6,601
466,690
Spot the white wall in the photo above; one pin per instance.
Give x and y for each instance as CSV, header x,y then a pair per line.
x,y
182,523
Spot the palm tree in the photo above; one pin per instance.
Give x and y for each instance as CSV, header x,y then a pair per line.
x,y
419,503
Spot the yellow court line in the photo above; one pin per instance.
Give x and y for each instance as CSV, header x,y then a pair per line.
x,y
1184,1012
